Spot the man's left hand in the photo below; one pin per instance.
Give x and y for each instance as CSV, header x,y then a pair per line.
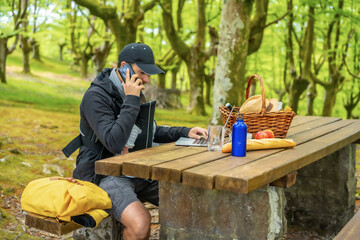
x,y
198,132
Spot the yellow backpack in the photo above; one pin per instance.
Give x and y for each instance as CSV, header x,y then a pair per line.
x,y
63,198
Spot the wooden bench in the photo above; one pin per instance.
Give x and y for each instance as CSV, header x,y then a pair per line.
x,y
49,224
351,230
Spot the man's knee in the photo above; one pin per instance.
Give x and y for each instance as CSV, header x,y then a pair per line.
x,y
136,220
141,227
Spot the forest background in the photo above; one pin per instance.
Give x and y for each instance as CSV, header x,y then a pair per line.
x,y
307,53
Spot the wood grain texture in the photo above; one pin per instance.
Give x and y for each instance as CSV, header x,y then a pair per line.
x,y
299,120
113,166
172,171
311,125
203,175
259,173
142,166
50,225
351,231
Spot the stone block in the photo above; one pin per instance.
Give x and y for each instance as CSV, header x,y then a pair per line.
x,y
195,213
108,229
323,197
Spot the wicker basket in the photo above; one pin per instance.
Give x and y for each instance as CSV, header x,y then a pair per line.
x,y
279,122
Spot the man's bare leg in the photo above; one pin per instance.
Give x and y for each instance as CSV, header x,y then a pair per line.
x,y
136,220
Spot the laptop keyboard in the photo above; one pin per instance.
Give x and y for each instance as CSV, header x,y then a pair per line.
x,y
200,141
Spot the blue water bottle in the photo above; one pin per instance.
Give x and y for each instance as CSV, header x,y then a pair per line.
x,y
239,132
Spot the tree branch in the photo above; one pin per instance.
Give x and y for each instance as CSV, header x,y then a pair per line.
x,y
351,74
277,20
91,24
214,42
179,46
257,26
143,9
319,64
318,81
13,47
103,12
344,54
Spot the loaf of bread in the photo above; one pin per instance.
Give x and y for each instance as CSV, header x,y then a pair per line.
x,y
266,143
253,104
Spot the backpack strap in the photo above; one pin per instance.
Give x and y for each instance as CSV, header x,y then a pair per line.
x,y
87,137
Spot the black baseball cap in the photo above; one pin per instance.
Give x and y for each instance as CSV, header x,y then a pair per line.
x,y
142,56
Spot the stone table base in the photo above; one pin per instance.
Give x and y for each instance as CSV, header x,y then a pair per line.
x,y
194,213
323,197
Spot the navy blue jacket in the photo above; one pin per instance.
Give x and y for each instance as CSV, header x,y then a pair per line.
x,y
99,112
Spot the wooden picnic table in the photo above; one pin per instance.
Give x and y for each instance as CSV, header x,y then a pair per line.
x,y
178,167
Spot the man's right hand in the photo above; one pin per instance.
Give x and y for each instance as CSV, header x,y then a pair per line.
x,y
133,85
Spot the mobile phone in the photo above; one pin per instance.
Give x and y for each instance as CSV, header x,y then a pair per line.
x,y
123,69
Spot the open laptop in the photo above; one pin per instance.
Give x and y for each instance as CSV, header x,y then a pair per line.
x,y
184,141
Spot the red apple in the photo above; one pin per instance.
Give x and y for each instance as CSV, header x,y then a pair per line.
x,y
269,133
261,135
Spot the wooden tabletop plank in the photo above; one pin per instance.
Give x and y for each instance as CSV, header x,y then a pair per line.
x,y
249,177
204,175
141,166
113,166
172,171
317,122
299,120
351,229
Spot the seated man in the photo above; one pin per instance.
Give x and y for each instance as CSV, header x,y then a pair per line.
x,y
116,119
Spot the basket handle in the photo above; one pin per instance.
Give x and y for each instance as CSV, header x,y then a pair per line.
x,y
263,98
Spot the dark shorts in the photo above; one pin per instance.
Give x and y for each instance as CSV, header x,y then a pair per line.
x,y
124,191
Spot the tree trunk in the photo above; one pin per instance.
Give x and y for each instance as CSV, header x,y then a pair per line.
x,y
24,40
174,72
173,78
209,82
100,55
61,49
196,74
84,64
299,83
3,56
193,56
230,70
26,53
162,80
311,94
329,99
336,79
35,49
307,53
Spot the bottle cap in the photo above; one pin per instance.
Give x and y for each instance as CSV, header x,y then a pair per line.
x,y
240,116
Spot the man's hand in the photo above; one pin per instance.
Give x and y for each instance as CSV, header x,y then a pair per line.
x,y
125,150
198,132
133,85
